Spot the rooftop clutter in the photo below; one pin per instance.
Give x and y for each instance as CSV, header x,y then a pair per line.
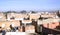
x,y
27,22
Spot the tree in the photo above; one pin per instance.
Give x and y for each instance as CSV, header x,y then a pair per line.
x,y
23,11
33,12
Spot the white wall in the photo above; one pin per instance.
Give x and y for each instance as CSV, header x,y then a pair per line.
x,y
15,33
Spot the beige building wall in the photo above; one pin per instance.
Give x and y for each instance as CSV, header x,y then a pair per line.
x,y
30,29
16,16
10,15
2,17
52,25
20,16
48,15
49,23
6,24
34,16
20,29
26,21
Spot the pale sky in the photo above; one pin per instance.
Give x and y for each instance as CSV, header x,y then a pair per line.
x,y
18,5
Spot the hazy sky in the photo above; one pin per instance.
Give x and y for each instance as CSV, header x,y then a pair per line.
x,y
6,5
